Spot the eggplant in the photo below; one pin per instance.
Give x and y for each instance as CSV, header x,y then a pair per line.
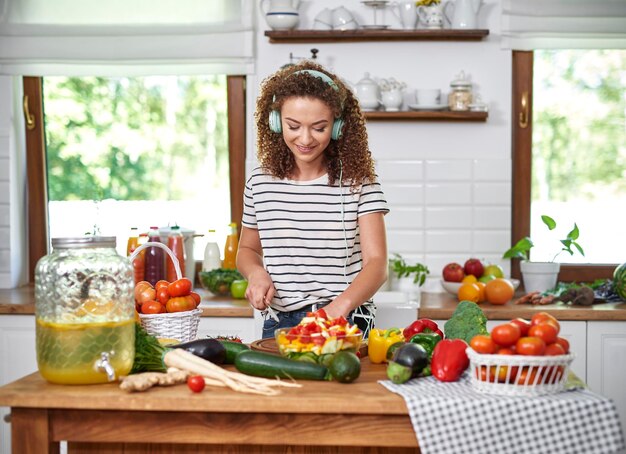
x,y
407,362
209,349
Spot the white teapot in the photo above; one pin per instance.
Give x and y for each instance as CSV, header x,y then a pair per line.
x,y
465,14
368,93
281,14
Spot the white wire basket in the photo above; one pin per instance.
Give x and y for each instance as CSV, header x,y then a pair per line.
x,y
518,375
182,326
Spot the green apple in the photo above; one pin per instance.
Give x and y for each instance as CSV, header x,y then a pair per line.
x,y
238,288
494,270
486,278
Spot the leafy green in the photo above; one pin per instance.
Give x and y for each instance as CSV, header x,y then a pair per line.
x,y
148,352
400,267
218,281
467,321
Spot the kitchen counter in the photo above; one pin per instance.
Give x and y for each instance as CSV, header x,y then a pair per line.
x,y
321,417
439,306
22,301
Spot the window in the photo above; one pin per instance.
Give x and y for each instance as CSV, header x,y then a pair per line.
x,y
122,152
569,158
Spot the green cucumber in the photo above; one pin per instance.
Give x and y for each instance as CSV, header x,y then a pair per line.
x,y
267,365
232,350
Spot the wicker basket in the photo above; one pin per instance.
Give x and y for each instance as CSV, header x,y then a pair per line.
x,y
182,326
518,375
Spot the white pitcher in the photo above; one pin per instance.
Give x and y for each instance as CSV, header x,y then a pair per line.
x,y
431,16
406,13
281,14
465,14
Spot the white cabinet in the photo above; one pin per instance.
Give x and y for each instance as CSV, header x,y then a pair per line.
x,y
606,362
243,327
17,358
576,335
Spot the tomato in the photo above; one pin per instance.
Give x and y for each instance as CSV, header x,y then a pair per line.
x,y
195,383
501,373
180,304
180,287
507,351
506,334
524,325
544,317
160,284
554,350
553,374
530,346
484,344
484,374
545,331
563,343
144,292
162,295
196,297
151,307
525,375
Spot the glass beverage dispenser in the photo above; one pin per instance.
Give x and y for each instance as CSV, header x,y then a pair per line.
x,y
84,312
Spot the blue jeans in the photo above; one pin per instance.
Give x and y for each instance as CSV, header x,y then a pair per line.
x,y
286,320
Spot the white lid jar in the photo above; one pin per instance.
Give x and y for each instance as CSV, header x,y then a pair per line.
x,y
460,96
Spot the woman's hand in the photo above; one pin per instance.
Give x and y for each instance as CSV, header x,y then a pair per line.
x,y
261,290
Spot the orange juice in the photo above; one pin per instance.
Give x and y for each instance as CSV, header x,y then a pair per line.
x,y
230,249
67,352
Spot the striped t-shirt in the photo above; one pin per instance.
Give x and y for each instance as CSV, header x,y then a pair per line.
x,y
305,242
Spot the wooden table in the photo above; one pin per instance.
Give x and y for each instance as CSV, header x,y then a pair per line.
x,y
320,417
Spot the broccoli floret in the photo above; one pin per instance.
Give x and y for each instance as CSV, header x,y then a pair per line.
x,y
467,321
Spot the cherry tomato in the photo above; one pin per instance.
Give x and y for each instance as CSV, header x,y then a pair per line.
x,y
554,350
151,307
507,351
195,383
524,325
180,304
196,297
501,373
484,344
485,374
525,375
545,331
144,292
506,334
530,346
180,287
563,343
553,374
544,317
162,295
160,284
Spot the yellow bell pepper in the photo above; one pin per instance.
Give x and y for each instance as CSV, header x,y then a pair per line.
x,y
379,342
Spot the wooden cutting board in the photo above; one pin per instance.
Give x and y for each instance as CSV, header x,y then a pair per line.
x,y
269,346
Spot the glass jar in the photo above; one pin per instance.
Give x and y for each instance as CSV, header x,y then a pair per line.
x,y
460,96
84,312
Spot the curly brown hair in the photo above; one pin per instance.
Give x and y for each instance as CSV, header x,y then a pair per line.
x,y
272,151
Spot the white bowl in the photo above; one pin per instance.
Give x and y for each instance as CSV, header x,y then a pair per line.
x,y
453,287
282,21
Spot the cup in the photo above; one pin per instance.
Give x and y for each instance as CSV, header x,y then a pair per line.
x,y
343,19
428,96
323,20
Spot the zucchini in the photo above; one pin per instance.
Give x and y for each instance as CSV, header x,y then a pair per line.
x,y
267,365
232,350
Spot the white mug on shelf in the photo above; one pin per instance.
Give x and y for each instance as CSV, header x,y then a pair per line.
x,y
428,96
407,14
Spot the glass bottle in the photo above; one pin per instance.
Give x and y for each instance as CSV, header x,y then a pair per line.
x,y
460,96
154,260
176,243
230,248
212,260
84,312
133,241
139,264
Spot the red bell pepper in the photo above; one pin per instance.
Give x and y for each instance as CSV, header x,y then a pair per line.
x,y
449,360
423,325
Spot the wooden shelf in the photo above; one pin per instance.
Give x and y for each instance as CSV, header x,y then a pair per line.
x,y
427,115
336,36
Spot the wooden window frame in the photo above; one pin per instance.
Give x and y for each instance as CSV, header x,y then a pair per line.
x,y
37,187
522,86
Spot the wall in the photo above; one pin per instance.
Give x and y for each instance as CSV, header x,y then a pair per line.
x,y
448,184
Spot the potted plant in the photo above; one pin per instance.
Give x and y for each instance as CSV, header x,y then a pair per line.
x,y
408,278
542,276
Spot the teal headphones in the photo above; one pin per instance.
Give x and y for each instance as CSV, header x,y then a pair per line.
x,y
275,121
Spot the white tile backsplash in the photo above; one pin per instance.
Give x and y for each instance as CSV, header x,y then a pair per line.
x,y
5,260
448,170
4,215
5,235
494,241
448,217
4,169
405,218
492,217
492,169
399,171
4,193
404,194
448,194
448,241
404,241
492,193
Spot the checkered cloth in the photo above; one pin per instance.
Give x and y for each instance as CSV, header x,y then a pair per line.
x,y
452,418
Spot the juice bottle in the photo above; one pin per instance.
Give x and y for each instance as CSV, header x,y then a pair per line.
x,y
133,241
175,242
139,270
212,260
230,248
154,263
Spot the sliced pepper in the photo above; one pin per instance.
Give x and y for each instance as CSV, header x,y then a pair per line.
x,y
449,360
423,325
379,342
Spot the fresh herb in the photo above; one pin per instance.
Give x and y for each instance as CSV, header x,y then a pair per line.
x,y
400,267
218,281
148,352
523,246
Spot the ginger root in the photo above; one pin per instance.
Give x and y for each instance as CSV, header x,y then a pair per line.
x,y
146,380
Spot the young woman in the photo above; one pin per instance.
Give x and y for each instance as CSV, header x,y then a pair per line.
x,y
313,231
